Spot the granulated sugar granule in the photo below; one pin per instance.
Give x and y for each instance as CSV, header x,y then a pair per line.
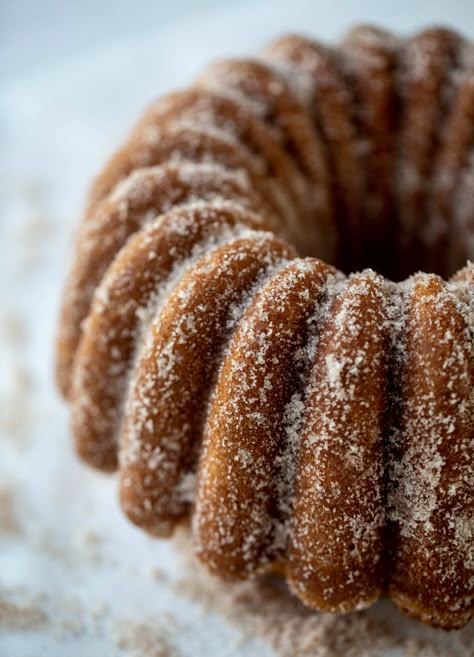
x,y
143,640
264,608
24,617
9,523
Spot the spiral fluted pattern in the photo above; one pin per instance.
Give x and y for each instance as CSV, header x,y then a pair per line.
x,y
309,420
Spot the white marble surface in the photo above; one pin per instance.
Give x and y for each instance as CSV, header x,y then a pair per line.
x,y
74,76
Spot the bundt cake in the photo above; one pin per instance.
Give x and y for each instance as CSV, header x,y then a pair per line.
x,y
310,421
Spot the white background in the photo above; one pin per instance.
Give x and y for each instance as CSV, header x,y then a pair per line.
x,y
74,75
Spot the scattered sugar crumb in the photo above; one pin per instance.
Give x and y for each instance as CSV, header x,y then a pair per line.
x,y
9,523
266,609
13,330
15,617
90,545
143,639
156,574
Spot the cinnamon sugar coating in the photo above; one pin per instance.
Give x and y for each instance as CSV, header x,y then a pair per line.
x,y
307,415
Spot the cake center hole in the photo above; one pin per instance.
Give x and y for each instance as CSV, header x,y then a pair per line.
x,y
396,254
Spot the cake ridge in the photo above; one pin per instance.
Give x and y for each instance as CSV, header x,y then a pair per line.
x,y
166,388
103,233
247,422
98,393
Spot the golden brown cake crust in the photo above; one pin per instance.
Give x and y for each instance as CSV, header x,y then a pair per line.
x,y
122,309
147,194
174,375
309,422
244,481
340,464
431,496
